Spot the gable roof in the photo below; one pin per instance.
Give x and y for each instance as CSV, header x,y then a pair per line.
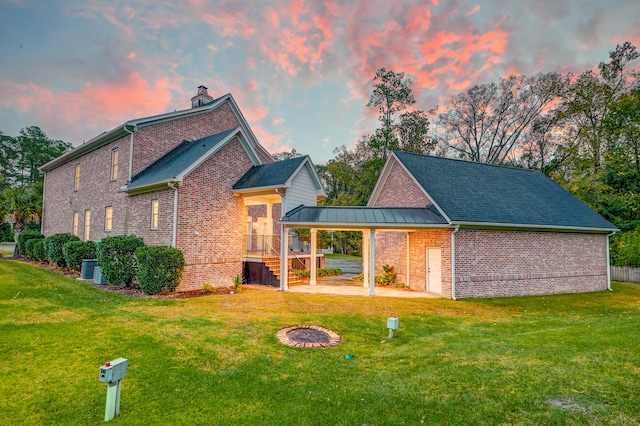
x,y
363,217
132,126
276,175
483,194
270,174
180,161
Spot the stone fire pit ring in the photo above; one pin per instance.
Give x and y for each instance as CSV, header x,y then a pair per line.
x,y
308,336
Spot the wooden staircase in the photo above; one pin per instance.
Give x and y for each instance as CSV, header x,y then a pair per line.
x,y
273,264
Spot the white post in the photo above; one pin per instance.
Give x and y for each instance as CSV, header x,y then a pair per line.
x,y
408,262
112,400
314,266
372,262
284,258
365,258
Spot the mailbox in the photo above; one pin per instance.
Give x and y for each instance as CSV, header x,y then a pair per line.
x,y
113,371
392,323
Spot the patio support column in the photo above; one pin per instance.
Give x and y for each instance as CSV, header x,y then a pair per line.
x,y
269,220
365,258
314,266
408,261
372,262
284,258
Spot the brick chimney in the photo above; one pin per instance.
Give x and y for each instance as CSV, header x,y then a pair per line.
x,y
201,98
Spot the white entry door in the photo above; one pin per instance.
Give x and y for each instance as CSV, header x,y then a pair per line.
x,y
434,270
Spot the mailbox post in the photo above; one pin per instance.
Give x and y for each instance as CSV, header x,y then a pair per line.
x,y
392,325
112,373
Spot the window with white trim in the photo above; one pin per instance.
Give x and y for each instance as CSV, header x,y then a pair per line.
x,y
87,225
114,164
76,217
108,218
155,209
76,181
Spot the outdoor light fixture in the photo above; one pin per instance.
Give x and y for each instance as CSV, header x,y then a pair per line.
x,y
392,325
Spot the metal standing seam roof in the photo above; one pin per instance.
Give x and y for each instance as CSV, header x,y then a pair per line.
x,y
363,216
269,174
177,160
479,193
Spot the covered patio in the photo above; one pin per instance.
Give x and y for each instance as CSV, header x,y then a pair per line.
x,y
369,221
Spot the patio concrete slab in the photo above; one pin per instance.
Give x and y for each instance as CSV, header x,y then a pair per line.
x,y
360,291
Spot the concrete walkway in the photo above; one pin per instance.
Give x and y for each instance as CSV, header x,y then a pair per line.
x,y
344,285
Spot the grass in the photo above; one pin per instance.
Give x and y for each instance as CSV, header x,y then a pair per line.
x,y
342,256
6,253
556,360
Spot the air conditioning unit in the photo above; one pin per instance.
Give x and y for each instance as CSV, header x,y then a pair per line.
x,y
97,276
86,272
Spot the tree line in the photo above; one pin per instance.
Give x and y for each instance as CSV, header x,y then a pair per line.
x,y
581,130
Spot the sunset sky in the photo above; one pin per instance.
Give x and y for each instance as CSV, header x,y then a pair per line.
x,y
300,70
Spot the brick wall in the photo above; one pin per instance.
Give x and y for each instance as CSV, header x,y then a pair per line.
x,y
517,263
400,190
152,142
96,192
211,219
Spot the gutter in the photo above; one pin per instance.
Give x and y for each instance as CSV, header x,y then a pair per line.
x,y
133,129
453,261
558,228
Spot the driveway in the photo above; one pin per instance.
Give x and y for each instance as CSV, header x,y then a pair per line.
x,y
349,267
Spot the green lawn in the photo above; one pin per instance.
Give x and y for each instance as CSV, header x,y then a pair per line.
x,y
342,256
555,360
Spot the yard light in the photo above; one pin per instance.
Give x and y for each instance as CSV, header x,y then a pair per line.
x,y
392,325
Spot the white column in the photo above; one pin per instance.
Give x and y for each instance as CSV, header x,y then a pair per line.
x,y
408,262
372,262
314,258
365,258
284,259
269,219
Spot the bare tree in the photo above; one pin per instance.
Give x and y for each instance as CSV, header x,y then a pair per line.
x,y
487,122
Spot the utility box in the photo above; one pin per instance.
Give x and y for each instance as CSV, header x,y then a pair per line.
x,y
392,323
98,278
86,272
114,371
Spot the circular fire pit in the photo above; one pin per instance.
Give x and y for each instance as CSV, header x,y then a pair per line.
x,y
308,336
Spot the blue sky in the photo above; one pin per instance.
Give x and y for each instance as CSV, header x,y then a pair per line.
x,y
300,70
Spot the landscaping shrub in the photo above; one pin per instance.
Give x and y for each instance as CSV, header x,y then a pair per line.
x,y
6,232
159,268
116,258
26,236
75,251
53,245
38,252
28,247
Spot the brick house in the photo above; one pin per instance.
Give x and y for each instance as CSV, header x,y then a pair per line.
x,y
195,179
461,230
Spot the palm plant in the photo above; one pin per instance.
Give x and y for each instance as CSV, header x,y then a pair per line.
x,y
22,204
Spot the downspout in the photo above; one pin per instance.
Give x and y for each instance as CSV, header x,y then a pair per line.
x,y
453,261
609,262
174,236
44,199
130,151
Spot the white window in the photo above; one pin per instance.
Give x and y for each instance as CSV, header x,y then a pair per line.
x,y
154,214
87,225
108,218
76,184
114,164
75,223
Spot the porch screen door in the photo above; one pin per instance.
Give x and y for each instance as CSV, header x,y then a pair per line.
x,y
434,270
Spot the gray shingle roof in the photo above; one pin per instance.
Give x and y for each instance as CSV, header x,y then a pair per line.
x,y
364,216
482,193
269,174
177,160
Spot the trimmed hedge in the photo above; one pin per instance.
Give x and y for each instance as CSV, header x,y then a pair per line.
x,y
116,258
38,252
159,268
75,251
54,245
26,236
28,247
